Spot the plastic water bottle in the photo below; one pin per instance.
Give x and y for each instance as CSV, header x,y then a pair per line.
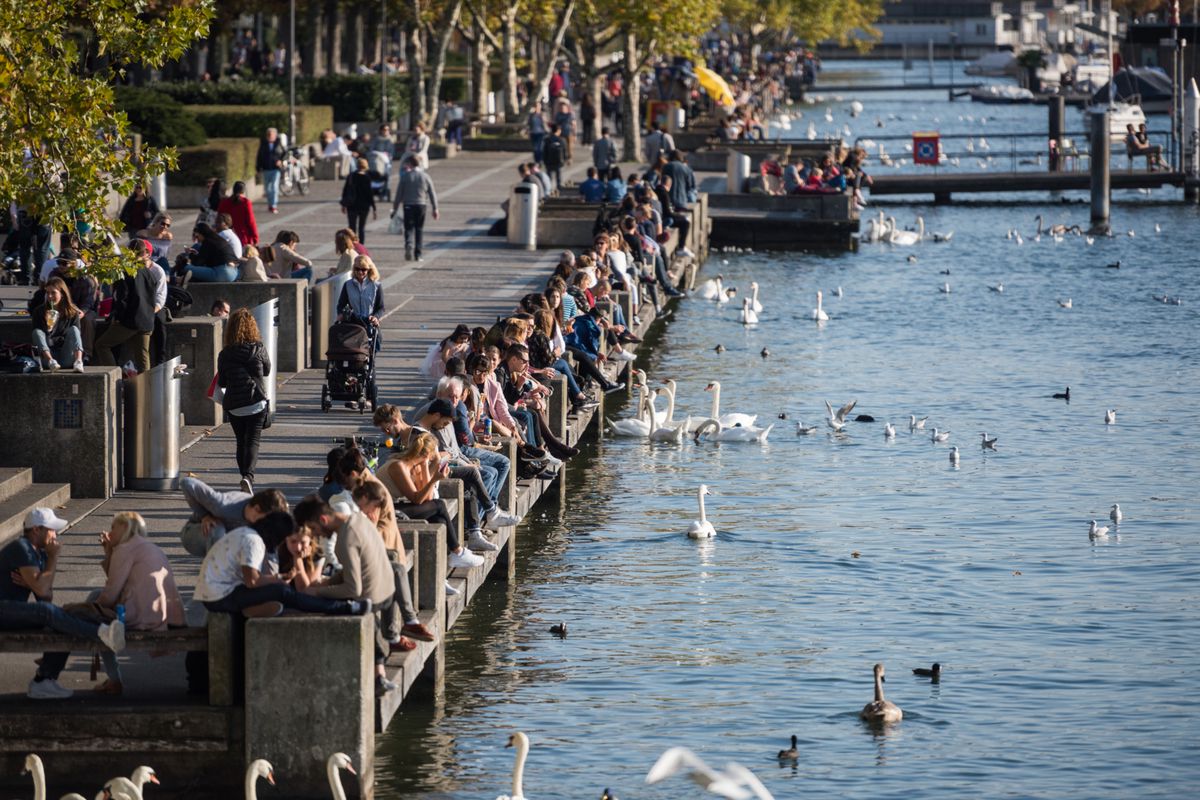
x,y
121,614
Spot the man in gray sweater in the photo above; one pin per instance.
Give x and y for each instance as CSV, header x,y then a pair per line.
x,y
415,192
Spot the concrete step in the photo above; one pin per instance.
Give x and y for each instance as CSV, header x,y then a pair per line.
x,y
13,480
14,509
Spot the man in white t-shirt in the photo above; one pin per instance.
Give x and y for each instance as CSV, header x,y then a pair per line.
x,y
224,227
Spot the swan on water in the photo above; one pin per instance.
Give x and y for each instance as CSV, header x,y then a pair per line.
x,y
805,430
259,768
333,765
637,427
889,431
690,423
1096,532
521,742
735,782
727,295
837,419
701,528
915,424
669,432
1064,303
739,433
938,437
986,443
733,419
1110,417
881,710
748,316
954,456
1115,514
818,313
710,289
35,769
791,754
906,238
757,306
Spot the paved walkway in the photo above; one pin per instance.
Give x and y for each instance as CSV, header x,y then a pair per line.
x,y
466,277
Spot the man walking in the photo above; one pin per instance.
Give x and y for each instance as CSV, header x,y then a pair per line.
x,y
416,193
536,124
604,152
269,163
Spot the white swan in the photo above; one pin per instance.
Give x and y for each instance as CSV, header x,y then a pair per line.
x,y
259,768
701,528
740,433
731,420
748,316
726,295
1096,532
671,433
636,427
906,238
710,289
121,788
34,768
880,710
757,306
731,783
837,419
336,762
818,313
521,742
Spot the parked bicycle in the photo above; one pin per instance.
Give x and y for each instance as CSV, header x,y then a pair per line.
x,y
295,174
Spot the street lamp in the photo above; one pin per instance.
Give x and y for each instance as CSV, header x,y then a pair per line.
x,y
292,73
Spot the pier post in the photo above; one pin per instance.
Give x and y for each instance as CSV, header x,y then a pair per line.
x,y
1191,141
1100,171
1058,114
559,405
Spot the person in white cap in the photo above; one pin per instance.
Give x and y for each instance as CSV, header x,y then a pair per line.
x,y
28,566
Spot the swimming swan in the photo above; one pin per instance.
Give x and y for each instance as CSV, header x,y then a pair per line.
x,y
710,289
879,710
521,742
736,434
906,238
747,316
818,313
701,528
34,768
732,783
757,306
259,768
636,427
731,420
336,762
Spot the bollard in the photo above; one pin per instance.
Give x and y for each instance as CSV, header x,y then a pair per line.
x,y
266,315
522,216
1100,171
1058,113
558,406
737,170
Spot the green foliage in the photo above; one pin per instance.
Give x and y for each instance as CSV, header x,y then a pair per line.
x,y
228,159
160,119
233,122
64,146
232,93
356,97
454,88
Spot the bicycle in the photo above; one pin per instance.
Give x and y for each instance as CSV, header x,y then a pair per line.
x,y
295,175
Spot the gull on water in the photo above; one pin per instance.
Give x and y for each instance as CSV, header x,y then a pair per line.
x,y
986,443
944,288
1096,532
1064,303
805,430
1115,515
939,436
837,419
998,288
954,456
889,431
1110,417
915,424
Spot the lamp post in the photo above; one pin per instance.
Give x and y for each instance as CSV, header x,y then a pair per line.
x,y
383,49
291,55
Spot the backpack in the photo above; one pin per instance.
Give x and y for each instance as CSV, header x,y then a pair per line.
x,y
554,152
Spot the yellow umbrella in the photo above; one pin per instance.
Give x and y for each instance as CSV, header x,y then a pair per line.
x,y
715,85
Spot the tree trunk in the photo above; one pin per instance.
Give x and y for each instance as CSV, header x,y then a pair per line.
x,y
416,67
355,20
445,29
311,48
371,36
508,51
631,97
336,29
481,59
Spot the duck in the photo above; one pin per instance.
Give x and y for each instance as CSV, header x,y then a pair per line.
x,y
818,313
954,456
735,782
791,754
934,672
764,353
731,420
1063,395
559,630
889,431
1096,532
333,766
837,419
748,315
757,306
701,528
986,443
710,289
1110,416
937,437
521,742
741,433
915,424
1115,514
880,710
720,348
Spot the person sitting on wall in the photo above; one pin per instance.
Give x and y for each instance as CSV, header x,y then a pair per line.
x,y
214,512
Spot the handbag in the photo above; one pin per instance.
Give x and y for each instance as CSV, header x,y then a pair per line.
x,y
215,393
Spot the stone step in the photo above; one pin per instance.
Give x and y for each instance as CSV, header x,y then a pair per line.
x,y
14,508
13,480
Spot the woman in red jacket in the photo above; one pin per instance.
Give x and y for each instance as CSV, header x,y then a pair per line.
x,y
238,207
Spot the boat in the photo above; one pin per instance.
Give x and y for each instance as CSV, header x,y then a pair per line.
x,y
994,65
1120,114
1001,93
1148,87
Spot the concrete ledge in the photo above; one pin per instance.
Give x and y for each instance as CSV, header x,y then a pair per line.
x,y
197,341
293,312
65,426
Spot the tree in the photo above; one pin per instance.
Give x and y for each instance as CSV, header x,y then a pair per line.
x,y
63,145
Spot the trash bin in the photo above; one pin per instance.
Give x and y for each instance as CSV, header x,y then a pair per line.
x,y
152,427
737,171
321,301
267,318
522,216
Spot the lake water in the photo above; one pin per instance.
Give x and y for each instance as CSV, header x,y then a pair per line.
x,y
1070,667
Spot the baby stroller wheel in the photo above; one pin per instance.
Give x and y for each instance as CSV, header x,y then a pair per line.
x,y
326,403
373,395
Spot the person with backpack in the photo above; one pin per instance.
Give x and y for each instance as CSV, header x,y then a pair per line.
x,y
554,155
133,314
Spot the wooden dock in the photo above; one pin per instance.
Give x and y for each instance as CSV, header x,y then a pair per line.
x,y
944,185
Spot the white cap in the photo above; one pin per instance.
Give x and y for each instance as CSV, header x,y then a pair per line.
x,y
44,518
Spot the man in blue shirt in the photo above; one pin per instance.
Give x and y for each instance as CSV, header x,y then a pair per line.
x,y
593,188
27,567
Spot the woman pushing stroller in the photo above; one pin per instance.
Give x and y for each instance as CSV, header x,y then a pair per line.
x,y
361,299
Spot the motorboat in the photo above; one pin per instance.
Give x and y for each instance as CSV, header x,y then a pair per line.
x,y
1001,93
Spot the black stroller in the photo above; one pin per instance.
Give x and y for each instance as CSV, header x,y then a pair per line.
x,y
350,367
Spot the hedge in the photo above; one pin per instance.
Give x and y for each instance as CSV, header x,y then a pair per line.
x,y
355,98
238,121
228,159
160,119
224,93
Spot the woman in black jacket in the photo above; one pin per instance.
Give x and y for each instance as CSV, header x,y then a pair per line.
x,y
210,258
358,199
242,370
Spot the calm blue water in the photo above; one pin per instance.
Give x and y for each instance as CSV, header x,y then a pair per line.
x,y
1069,667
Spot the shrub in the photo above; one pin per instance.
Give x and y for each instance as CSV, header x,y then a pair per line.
x,y
356,97
454,88
159,118
232,93
239,121
228,159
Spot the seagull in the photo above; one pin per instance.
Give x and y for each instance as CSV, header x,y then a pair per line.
x,y
765,353
1110,417
1018,238
889,431
1115,515
954,456
986,443
837,420
1157,228
1096,532
805,430
911,259
915,424
939,436
1090,240
732,783
998,288
945,288
837,292
1064,303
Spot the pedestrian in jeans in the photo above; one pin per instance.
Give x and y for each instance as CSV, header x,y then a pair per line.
x,y
357,199
27,567
537,130
416,193
242,370
270,163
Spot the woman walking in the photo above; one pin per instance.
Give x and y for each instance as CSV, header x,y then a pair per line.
x,y
358,199
242,369
240,210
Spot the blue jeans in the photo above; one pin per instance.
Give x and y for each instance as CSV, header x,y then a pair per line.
x,y
527,420
496,474
224,274
244,597
15,616
535,141
271,186
572,385
72,344
302,272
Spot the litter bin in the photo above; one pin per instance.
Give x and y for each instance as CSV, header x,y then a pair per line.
x,y
152,428
522,216
322,298
737,171
266,316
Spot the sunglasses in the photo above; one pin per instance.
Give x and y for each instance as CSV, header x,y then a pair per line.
x,y
360,269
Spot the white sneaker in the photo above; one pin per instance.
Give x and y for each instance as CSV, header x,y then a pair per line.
x,y
78,365
479,544
450,590
552,462
623,355
113,635
686,253
499,518
465,558
53,366
47,690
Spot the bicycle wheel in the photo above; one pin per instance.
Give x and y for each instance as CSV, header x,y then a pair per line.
x,y
286,184
302,178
